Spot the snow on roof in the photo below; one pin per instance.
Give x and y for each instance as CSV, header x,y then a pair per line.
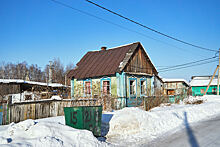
x,y
31,82
202,81
175,80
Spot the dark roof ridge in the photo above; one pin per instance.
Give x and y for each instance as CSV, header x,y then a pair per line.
x,y
115,47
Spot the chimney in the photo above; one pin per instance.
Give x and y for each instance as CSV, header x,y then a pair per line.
x,y
103,48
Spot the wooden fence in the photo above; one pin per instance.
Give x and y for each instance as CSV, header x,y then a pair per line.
x,y
40,109
154,101
3,112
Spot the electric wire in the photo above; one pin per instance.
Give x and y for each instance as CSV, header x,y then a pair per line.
x,y
188,66
179,65
144,26
120,26
162,69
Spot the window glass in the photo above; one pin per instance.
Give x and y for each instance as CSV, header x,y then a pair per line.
x,y
87,88
202,91
214,91
132,87
106,87
143,87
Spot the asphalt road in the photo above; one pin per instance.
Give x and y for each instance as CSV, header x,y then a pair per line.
x,y
202,134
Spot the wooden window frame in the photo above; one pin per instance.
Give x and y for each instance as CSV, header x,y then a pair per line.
x,y
143,88
134,87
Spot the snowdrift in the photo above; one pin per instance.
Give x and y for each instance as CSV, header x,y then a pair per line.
x,y
135,126
46,133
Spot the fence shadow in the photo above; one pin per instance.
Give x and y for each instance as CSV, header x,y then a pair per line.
x,y
105,126
191,137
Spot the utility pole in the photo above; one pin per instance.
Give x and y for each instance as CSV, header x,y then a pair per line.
x,y
218,71
217,68
50,72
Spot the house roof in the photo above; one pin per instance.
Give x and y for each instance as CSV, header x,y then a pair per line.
x,y
165,80
203,80
103,63
19,81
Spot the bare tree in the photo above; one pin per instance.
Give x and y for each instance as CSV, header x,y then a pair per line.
x,y
33,72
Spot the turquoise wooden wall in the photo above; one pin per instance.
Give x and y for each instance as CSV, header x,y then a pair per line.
x,y
196,90
119,85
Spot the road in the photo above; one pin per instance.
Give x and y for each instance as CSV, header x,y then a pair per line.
x,y
202,134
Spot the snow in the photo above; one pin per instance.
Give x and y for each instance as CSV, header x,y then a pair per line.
x,y
133,126
56,97
20,97
31,82
174,80
127,127
49,132
202,81
17,98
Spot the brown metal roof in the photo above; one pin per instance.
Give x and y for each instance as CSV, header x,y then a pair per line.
x,y
101,63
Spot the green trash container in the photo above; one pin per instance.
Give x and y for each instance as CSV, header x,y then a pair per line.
x,y
84,117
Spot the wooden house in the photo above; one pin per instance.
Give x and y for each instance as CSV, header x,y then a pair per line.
x,y
20,90
125,73
175,86
198,85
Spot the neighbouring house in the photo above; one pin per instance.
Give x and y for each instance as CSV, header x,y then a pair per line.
x,y
175,86
199,84
125,73
16,90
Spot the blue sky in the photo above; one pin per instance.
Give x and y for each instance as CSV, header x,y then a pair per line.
x,y
37,31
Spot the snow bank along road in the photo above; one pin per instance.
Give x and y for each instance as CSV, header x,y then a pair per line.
x,y
202,134
135,127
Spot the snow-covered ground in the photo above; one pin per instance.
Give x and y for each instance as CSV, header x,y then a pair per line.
x,y
133,126
126,127
49,132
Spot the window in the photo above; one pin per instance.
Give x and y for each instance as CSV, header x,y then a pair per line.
x,y
132,87
87,88
106,87
143,87
214,91
202,91
170,92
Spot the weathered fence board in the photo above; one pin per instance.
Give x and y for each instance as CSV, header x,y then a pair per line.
x,y
38,109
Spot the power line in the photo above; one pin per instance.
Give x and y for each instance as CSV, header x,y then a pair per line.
x,y
158,32
120,26
179,65
189,66
86,13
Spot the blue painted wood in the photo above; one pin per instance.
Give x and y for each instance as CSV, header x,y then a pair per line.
x,y
118,84
124,88
1,114
133,100
121,85
133,79
72,88
143,79
152,86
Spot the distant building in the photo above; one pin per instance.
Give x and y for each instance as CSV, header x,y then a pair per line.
x,y
199,84
125,73
16,90
175,86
